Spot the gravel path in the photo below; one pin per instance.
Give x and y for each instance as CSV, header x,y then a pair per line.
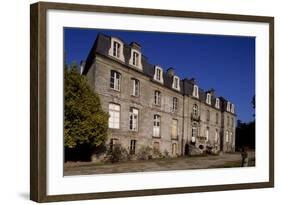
x,y
182,163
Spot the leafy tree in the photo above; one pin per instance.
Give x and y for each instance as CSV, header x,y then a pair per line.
x,y
245,132
85,123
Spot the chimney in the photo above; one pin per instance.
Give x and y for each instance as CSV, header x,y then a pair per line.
x,y
192,80
170,72
211,91
135,45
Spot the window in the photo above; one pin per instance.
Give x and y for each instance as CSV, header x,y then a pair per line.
x,y
115,79
176,83
232,122
157,97
208,99
135,59
227,121
195,110
230,136
174,129
133,122
114,116
116,49
174,149
208,115
216,136
217,103
175,104
232,108
195,91
156,147
133,146
156,126
217,118
193,133
158,74
226,137
136,87
207,134
113,143
228,107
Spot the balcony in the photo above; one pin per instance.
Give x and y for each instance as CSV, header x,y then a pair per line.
x,y
195,117
201,138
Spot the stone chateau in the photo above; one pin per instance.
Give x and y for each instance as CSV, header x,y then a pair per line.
x,y
149,106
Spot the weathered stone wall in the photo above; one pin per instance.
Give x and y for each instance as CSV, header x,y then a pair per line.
x,y
99,79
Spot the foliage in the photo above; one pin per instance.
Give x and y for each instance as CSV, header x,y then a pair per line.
x,y
144,153
85,123
166,154
117,154
245,132
245,135
157,154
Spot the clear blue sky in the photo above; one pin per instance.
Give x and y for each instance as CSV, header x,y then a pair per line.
x,y
225,63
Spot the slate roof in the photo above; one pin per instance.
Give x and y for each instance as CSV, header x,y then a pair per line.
x,y
102,45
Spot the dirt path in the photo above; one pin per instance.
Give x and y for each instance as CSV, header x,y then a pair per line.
x,y
182,163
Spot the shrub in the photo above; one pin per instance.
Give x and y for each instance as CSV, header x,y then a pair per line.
x,y
166,154
117,154
157,154
145,153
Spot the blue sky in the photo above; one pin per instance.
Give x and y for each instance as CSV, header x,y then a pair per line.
x,y
225,63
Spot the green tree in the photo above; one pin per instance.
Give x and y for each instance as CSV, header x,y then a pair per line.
x,y
85,123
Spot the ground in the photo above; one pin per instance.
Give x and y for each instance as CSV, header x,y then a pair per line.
x,y
181,163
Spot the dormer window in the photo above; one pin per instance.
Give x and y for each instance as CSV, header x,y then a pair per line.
x,y
208,99
228,107
195,91
176,83
158,75
217,103
116,49
135,59
232,108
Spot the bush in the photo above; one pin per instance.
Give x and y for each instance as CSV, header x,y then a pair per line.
x,y
166,154
117,154
145,153
157,154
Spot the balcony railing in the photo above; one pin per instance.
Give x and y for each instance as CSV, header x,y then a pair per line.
x,y
201,138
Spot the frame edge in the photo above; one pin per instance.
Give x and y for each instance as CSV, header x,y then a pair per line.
x,y
34,187
38,102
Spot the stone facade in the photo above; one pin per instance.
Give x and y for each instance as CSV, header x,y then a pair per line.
x,y
169,126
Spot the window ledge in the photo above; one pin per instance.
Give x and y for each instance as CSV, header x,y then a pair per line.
x,y
156,137
112,89
175,138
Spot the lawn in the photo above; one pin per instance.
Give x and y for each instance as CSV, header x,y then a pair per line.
x,y
226,160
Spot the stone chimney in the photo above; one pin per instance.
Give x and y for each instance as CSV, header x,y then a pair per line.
x,y
211,91
135,45
170,72
192,80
